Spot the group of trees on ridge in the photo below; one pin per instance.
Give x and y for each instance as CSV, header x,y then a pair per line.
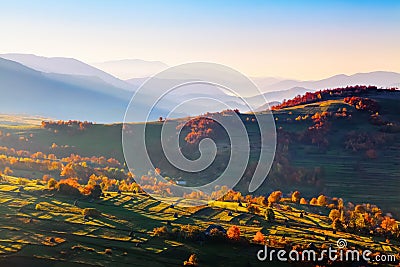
x,y
311,97
60,124
205,125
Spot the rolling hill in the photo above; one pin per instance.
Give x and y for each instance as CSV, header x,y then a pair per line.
x,y
352,153
345,154
342,144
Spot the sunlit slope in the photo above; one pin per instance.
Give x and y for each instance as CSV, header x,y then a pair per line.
x,y
354,157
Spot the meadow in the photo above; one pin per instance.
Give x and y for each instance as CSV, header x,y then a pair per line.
x,y
41,227
332,148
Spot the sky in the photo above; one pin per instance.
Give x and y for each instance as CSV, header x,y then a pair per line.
x,y
304,40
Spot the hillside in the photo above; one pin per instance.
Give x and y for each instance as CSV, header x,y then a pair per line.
x,y
353,150
68,197
341,142
345,153
42,226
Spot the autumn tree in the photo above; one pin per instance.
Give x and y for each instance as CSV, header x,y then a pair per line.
x,y
200,127
93,191
69,186
358,102
233,233
358,220
274,197
322,201
68,171
296,197
192,261
340,204
253,208
46,178
390,225
334,214
314,201
51,183
303,201
8,171
259,238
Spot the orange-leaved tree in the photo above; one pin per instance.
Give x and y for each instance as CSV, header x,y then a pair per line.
x,y
233,232
275,197
389,224
259,237
296,197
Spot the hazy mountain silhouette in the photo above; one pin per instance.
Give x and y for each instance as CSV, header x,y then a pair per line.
x,y
378,78
62,65
66,88
131,68
28,91
277,96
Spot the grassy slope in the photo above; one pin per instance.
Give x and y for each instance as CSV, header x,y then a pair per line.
x,y
346,174
351,175
26,232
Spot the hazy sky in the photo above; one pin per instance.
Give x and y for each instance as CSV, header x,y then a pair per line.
x,y
307,40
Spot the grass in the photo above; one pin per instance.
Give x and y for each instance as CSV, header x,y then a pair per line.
x,y
339,166
57,233
345,173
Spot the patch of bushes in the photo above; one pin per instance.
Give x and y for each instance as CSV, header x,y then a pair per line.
x,y
68,187
52,183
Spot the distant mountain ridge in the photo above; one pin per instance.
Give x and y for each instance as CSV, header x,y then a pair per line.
x,y
278,96
62,65
28,91
131,68
377,78
63,76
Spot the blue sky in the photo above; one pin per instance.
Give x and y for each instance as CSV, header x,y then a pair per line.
x,y
296,39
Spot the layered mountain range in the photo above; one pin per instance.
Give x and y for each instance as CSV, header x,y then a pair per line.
x,y
66,88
